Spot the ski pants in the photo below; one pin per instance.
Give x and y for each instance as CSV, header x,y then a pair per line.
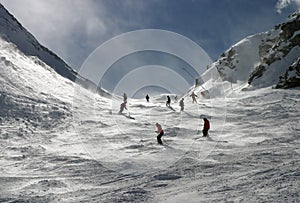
x,y
205,132
159,137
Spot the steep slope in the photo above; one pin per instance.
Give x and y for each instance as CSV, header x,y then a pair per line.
x,y
62,143
31,91
48,155
261,59
12,31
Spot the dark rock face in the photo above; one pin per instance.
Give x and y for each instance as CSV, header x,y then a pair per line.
x,y
258,72
282,45
291,77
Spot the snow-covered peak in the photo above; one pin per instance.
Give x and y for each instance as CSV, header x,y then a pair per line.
x,y
12,31
262,58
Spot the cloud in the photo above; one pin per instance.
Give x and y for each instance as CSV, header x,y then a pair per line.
x,y
62,26
74,28
281,4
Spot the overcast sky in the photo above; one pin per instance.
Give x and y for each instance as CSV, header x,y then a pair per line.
x,y
74,28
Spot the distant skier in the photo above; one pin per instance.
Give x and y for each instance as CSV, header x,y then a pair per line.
x,y
176,98
125,97
181,104
147,98
160,133
122,107
205,127
168,103
193,95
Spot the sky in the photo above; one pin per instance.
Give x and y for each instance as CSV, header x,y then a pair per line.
x,y
74,28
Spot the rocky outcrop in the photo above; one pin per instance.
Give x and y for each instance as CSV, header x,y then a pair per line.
x,y
291,78
262,58
288,39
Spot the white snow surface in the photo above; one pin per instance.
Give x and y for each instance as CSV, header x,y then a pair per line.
x,y
62,143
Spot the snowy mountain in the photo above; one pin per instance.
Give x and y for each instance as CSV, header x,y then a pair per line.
x,y
263,58
60,142
11,30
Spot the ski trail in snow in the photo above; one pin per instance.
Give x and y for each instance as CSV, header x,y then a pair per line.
x,y
56,145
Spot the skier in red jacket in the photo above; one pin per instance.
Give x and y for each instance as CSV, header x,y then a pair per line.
x,y
205,127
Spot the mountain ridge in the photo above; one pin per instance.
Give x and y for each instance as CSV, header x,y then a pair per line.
x,y
264,58
12,31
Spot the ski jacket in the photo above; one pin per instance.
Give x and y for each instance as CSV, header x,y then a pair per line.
x,y
193,95
123,105
124,97
159,128
206,124
168,99
181,103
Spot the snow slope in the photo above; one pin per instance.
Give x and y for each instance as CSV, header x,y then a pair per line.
x,y
262,58
61,143
12,31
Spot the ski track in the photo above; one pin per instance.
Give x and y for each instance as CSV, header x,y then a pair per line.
x,y
59,145
259,162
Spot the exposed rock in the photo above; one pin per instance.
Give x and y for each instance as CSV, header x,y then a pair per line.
x,y
258,72
261,58
291,78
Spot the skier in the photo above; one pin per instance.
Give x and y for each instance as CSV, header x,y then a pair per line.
x,y
176,98
147,98
125,97
193,95
160,133
181,104
205,127
168,101
122,107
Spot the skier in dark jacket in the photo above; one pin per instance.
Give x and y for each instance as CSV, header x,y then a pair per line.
x,y
193,95
168,103
205,127
181,104
147,98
